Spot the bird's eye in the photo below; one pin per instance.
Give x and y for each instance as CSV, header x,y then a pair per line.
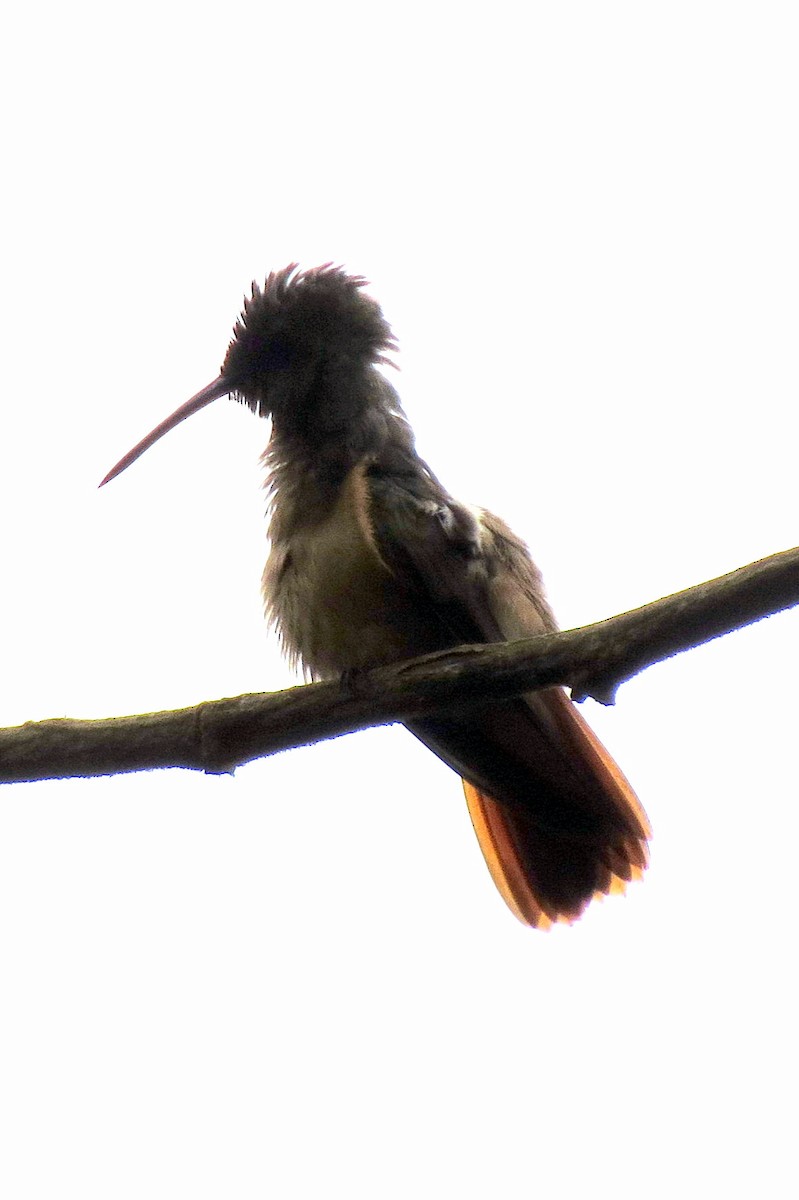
x,y
280,356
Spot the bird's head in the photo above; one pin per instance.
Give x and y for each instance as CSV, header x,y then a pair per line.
x,y
300,331
303,343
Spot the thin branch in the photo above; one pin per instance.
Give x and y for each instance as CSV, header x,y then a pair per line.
x,y
218,735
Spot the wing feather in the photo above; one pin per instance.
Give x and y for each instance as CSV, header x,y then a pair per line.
x,y
556,820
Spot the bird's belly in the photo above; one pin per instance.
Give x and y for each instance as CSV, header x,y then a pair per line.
x,y
336,605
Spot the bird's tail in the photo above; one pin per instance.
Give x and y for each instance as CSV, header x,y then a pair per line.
x,y
556,820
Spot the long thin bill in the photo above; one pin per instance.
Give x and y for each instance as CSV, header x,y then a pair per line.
x,y
220,387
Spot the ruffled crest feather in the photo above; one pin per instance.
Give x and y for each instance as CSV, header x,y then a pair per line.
x,y
319,316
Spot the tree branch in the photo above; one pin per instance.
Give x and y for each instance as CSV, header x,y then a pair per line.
x,y
218,735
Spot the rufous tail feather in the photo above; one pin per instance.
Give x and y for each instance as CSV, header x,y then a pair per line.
x,y
515,848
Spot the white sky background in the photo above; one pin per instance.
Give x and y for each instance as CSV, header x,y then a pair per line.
x,y
299,982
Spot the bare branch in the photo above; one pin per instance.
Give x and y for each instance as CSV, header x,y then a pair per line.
x,y
219,735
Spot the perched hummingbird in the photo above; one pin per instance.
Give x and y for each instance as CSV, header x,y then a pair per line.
x,y
373,561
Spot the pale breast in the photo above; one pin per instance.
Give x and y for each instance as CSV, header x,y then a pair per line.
x,y
333,600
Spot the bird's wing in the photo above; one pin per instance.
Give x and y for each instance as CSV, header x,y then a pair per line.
x,y
556,820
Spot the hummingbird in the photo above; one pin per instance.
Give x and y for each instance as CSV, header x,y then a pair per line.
x,y
372,561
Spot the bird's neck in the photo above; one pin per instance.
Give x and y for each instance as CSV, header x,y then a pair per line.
x,y
303,480
312,453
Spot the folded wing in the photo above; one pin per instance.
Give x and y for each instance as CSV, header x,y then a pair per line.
x,y
556,819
